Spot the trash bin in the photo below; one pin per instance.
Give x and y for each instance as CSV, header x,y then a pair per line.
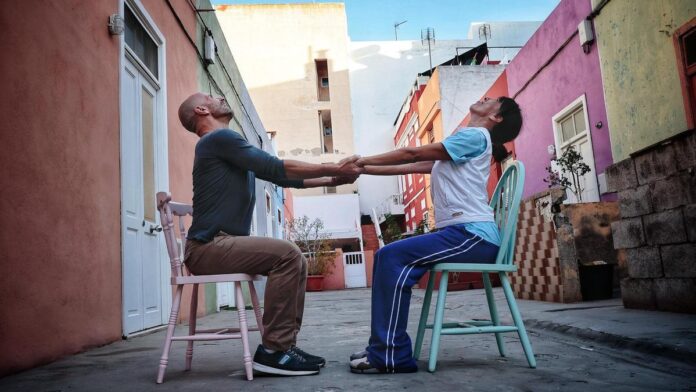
x,y
596,281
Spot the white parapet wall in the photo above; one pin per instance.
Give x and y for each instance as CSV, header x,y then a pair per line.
x,y
340,213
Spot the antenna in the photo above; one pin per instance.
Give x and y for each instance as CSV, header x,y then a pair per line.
x,y
396,26
428,34
485,31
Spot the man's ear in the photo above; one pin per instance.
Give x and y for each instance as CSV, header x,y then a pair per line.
x,y
201,110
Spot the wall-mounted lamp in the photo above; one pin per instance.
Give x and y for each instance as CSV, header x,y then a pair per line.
x,y
116,24
551,149
599,125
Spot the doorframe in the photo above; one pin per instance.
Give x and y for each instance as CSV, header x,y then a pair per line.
x,y
162,143
581,101
677,36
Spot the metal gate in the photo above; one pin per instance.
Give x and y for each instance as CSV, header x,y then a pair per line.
x,y
354,269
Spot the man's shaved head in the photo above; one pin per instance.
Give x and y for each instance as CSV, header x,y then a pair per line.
x,y
187,114
199,106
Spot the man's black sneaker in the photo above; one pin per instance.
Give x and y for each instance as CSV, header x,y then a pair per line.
x,y
283,363
309,357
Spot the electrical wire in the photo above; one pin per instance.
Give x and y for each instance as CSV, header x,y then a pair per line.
x,y
227,74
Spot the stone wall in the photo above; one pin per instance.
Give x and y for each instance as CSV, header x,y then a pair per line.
x,y
657,201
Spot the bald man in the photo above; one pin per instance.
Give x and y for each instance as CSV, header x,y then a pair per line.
x,y
224,171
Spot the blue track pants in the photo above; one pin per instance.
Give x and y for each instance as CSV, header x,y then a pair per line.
x,y
397,267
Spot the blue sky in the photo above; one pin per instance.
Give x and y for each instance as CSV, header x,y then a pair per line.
x,y
374,19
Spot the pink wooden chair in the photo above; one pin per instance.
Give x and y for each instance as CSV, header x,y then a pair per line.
x,y
180,277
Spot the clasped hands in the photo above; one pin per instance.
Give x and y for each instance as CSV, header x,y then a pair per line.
x,y
349,169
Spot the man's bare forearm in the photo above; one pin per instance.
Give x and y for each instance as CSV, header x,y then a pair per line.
x,y
424,167
303,170
318,182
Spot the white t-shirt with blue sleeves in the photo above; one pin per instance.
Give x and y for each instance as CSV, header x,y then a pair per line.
x,y
459,186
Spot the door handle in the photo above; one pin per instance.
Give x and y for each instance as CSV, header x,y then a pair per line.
x,y
155,228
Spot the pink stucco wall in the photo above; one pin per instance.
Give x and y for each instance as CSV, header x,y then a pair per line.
x,y
570,75
60,239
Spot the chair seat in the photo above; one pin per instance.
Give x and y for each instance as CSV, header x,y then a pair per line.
x,y
469,267
191,279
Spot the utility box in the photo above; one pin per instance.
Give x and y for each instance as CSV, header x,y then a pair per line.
x,y
585,32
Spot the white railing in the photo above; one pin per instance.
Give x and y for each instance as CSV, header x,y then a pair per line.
x,y
392,205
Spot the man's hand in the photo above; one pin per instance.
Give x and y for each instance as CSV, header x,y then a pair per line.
x,y
347,168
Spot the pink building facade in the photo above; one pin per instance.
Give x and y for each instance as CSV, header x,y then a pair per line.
x,y
558,85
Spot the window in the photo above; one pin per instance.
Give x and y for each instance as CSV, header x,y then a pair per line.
x,y
409,178
280,217
423,204
268,203
140,42
685,47
326,132
431,135
329,189
572,124
413,212
322,70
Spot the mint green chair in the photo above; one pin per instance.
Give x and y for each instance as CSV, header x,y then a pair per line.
x,y
506,205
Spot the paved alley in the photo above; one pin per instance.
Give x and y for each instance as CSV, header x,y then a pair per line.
x,y
337,323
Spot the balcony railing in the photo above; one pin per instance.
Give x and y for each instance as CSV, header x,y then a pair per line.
x,y
392,205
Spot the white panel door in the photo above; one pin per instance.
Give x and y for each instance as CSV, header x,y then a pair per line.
x,y
571,128
142,294
588,182
354,269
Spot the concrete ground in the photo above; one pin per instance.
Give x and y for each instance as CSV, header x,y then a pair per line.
x,y
598,346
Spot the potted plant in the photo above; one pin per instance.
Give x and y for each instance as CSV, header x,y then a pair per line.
x,y
572,168
316,247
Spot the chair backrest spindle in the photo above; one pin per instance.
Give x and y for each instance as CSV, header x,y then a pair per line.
x,y
168,210
506,205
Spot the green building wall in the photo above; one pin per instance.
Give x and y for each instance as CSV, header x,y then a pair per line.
x,y
639,68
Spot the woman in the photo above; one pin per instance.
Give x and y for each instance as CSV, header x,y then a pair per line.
x,y
467,233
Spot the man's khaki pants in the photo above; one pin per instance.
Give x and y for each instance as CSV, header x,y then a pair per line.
x,y
280,260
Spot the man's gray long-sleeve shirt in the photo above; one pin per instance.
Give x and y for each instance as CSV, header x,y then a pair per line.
x,y
224,172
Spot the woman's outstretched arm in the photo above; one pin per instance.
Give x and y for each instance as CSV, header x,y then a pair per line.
x,y
429,152
424,167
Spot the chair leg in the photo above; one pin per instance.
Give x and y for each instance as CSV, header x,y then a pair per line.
x,y
494,312
192,325
241,310
256,306
424,316
437,324
173,315
521,330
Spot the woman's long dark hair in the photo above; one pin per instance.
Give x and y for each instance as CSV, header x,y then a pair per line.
x,y
506,130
